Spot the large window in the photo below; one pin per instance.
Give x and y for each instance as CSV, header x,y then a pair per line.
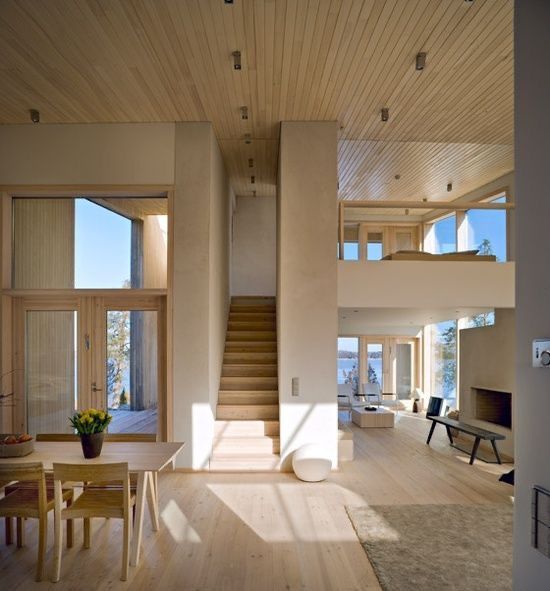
x,y
487,230
351,251
444,235
67,243
375,367
443,360
375,246
348,362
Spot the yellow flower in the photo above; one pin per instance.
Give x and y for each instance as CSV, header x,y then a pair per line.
x,y
101,415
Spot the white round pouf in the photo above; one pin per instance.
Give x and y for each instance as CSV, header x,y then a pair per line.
x,y
311,462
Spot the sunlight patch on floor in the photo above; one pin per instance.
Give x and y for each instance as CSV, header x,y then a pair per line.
x,y
178,525
279,512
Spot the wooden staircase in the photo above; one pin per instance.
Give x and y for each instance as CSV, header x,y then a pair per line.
x,y
246,436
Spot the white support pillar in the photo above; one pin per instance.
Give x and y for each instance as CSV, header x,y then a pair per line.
x,y
307,285
532,405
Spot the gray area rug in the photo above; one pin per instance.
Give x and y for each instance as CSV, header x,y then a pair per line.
x,y
439,547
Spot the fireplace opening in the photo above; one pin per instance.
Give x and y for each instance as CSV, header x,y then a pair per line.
x,y
493,406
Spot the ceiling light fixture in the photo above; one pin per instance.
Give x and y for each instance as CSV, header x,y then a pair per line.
x,y
252,180
236,60
251,163
397,177
228,1
420,60
247,138
35,115
253,193
449,187
244,113
385,114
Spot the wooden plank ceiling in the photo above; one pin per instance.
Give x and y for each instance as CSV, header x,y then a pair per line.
x,y
171,60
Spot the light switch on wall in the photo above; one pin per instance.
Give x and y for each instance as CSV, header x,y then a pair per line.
x,y
295,386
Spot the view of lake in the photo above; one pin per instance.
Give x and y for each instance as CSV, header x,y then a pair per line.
x,y
345,364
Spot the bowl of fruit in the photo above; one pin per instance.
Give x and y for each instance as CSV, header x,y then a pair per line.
x,y
16,446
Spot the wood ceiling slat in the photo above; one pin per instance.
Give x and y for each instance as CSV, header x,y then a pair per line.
x,y
170,60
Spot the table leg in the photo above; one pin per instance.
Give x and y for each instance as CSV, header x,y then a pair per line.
x,y
474,451
497,455
431,432
141,490
152,501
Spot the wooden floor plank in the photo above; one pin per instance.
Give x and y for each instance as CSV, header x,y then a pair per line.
x,y
246,532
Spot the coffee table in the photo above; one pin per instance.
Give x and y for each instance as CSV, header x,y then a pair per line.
x,y
381,417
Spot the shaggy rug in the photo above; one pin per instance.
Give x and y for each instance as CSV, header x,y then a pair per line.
x,y
437,547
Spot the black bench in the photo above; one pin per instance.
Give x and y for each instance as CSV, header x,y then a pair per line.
x,y
478,433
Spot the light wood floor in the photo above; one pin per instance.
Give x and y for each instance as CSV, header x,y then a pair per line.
x,y
259,532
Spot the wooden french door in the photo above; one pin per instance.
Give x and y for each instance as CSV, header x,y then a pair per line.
x,y
102,351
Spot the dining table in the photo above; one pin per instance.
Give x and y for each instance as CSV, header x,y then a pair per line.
x,y
146,459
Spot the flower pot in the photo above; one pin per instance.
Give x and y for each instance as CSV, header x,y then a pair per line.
x,y
92,444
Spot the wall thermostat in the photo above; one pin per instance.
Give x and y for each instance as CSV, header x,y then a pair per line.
x,y
541,352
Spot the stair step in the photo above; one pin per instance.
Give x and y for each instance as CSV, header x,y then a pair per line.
x,y
251,325
248,397
264,370
245,308
251,335
253,300
253,463
251,347
247,411
245,428
250,358
256,316
249,383
246,446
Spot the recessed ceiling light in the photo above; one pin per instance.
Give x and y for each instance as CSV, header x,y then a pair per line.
x,y
420,61
449,187
385,114
35,115
397,177
355,311
252,179
247,138
251,163
228,1
236,60
244,113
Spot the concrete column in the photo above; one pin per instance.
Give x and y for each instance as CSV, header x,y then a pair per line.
x,y
307,285
532,407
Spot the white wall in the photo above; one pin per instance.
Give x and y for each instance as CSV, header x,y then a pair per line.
x,y
200,288
306,285
121,153
254,247
425,284
532,150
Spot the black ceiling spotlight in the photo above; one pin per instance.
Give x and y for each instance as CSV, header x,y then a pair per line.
x,y
236,60
252,180
254,193
449,187
244,113
228,1
247,138
420,61
35,115
251,163
385,114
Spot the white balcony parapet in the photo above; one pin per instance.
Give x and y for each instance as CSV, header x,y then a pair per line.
x,y
425,284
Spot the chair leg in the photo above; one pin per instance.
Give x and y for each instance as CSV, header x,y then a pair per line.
x,y
42,537
86,532
58,546
70,528
9,538
126,548
20,532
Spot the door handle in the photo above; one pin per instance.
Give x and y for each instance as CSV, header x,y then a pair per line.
x,y
95,388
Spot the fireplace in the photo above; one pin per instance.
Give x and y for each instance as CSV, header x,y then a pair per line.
x,y
493,406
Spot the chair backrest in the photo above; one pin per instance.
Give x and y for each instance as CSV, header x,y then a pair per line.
x,y
56,437
92,473
434,406
345,389
129,437
372,389
24,471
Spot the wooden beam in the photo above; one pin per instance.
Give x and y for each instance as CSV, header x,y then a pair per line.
x,y
341,230
449,205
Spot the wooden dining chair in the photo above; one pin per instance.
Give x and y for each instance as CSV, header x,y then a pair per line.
x,y
93,502
32,502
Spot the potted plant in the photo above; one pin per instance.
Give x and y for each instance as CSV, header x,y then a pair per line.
x,y
90,425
